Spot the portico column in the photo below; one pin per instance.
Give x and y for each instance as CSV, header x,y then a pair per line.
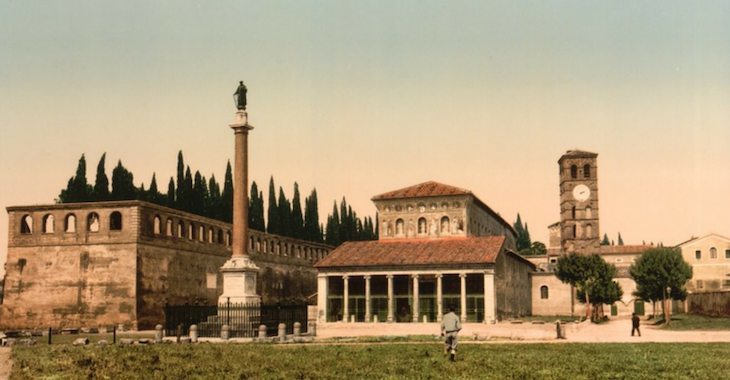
x,y
489,297
439,298
462,276
390,297
415,298
367,298
346,297
322,298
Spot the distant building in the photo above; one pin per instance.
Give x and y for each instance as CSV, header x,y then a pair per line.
x,y
109,263
710,259
439,246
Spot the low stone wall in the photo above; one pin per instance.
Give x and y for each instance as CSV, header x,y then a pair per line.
x,y
714,304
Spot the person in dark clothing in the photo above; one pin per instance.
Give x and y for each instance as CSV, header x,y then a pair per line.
x,y
635,324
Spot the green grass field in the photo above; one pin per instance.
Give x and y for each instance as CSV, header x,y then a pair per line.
x,y
697,322
374,361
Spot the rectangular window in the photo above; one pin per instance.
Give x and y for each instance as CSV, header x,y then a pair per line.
x,y
698,255
727,253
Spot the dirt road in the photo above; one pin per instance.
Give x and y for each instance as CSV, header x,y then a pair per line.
x,y
5,363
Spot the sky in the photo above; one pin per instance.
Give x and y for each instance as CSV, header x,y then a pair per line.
x,y
359,98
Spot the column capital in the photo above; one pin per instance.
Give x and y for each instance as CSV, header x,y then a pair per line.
x,y
489,271
346,277
439,275
389,276
462,275
414,276
367,276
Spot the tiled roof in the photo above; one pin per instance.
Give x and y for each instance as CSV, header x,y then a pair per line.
x,y
624,249
468,250
426,189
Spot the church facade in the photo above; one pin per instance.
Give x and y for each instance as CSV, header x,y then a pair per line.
x,y
440,246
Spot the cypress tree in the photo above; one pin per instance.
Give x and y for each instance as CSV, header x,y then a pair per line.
x,y
285,216
256,208
620,240
198,197
122,183
313,230
78,190
273,225
297,219
179,196
187,193
227,196
101,184
154,195
344,222
332,231
214,201
170,199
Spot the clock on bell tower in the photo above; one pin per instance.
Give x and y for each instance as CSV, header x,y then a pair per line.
x,y
579,230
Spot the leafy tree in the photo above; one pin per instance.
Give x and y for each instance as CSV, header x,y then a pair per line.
x,y
101,184
605,240
620,240
123,183
538,248
593,279
658,270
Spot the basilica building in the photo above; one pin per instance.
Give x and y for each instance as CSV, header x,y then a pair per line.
x,y
440,246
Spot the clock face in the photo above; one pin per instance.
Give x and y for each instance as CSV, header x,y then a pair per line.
x,y
581,193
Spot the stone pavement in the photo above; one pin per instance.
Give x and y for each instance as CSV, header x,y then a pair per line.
x,y
614,331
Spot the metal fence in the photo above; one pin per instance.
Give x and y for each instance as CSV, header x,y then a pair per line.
x,y
243,319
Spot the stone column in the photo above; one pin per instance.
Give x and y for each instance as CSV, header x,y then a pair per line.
x,y
489,297
345,298
322,298
367,299
439,297
390,298
239,272
462,276
415,297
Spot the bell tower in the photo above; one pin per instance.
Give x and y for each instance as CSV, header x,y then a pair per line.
x,y
579,230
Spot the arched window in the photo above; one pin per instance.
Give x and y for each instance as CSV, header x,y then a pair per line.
x,y
26,224
156,225
69,225
191,231
399,227
573,171
589,213
48,224
168,227
201,233
586,171
220,236
180,229
713,253
588,231
115,221
92,222
422,226
573,213
544,292
445,225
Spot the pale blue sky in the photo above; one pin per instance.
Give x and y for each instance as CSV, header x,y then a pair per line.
x,y
357,98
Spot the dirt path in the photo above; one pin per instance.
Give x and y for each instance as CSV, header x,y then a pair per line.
x,y
5,363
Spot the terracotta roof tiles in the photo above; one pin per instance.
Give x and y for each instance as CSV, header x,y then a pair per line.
x,y
426,189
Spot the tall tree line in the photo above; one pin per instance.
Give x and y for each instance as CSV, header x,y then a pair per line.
x,y
192,192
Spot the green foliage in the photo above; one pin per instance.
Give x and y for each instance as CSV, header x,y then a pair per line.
x,y
77,189
122,184
170,198
592,277
101,185
401,360
605,240
226,211
620,240
344,225
658,269
297,218
256,208
312,230
523,235
273,224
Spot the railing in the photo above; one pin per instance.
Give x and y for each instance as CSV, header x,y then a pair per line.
x,y
243,319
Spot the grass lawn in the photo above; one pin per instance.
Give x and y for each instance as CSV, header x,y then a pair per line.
x,y
697,322
374,361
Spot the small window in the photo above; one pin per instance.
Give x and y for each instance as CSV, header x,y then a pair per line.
x,y
544,292
92,222
422,229
573,212
589,213
191,231
180,229
575,231
26,224
220,236
588,231
445,223
698,254
573,172
168,227
713,253
115,221
201,233
727,253
211,235
156,225
48,224
586,171
399,230
70,223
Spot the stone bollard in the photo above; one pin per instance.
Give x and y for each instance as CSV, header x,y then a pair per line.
x,y
425,319
225,332
262,332
282,331
312,328
297,329
194,333
352,318
375,318
158,334
559,330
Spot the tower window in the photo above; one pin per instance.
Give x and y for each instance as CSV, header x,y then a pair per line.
x,y
168,227
48,224
574,172
70,223
26,225
544,292
586,171
156,227
573,212
589,231
92,222
115,221
575,228
589,213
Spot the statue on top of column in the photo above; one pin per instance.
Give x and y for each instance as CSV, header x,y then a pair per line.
x,y
240,96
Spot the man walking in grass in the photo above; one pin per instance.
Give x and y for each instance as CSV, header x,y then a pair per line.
x,y
635,324
450,327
